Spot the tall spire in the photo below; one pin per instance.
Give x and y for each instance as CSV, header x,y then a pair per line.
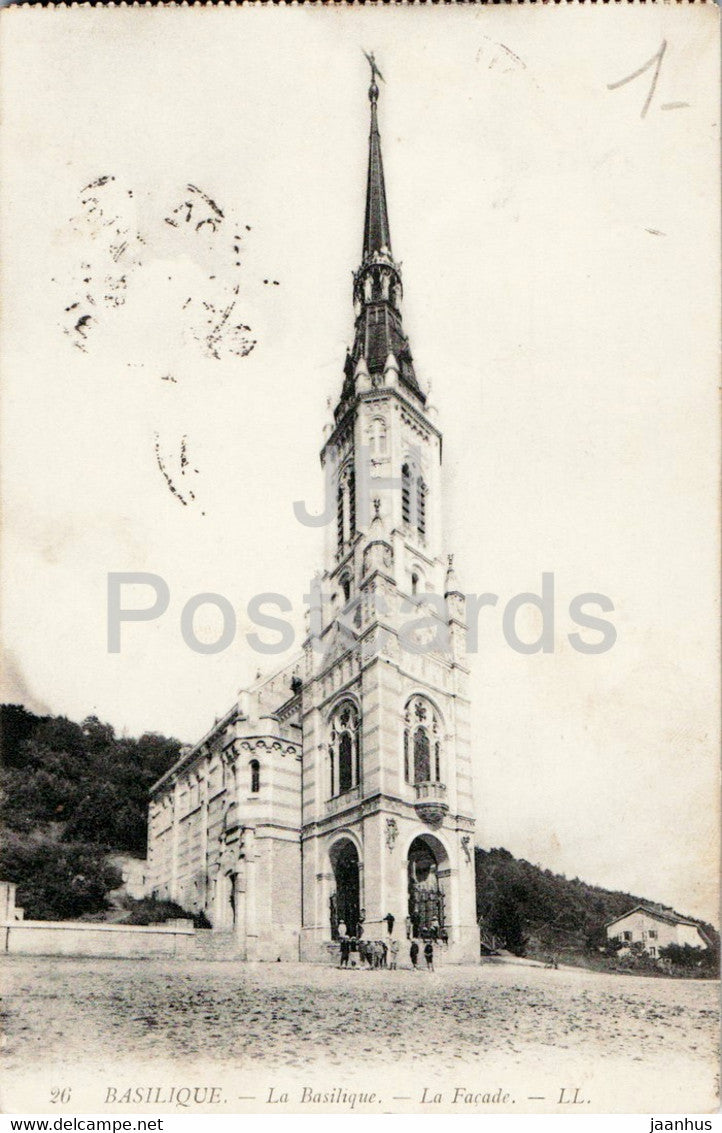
x,y
377,235
381,354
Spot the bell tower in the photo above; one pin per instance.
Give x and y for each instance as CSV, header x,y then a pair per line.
x,y
387,812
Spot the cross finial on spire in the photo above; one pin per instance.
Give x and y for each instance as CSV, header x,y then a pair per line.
x,y
373,89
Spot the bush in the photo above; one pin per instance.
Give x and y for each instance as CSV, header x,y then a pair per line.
x,y
687,959
57,881
151,910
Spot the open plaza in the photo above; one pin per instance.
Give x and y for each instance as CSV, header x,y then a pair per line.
x,y
249,1036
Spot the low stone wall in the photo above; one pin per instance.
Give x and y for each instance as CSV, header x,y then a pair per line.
x,y
77,938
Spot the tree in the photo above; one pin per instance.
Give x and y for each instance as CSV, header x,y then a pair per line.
x,y
79,779
57,882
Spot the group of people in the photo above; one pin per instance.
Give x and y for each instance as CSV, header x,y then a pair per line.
x,y
379,954
428,954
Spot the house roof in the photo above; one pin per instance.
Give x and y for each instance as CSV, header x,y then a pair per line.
x,y
669,917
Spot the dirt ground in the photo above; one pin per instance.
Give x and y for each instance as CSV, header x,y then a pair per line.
x,y
256,1020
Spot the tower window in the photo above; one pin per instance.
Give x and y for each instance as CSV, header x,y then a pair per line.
x,y
413,499
351,502
346,506
346,587
406,494
339,517
421,506
255,768
414,583
422,740
422,761
344,749
345,762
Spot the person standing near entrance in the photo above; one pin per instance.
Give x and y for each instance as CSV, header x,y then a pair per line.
x,y
345,951
414,953
394,951
429,955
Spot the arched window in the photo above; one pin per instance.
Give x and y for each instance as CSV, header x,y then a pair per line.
x,y
414,582
344,748
255,776
422,742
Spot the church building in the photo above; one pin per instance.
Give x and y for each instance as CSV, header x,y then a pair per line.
x,y
335,796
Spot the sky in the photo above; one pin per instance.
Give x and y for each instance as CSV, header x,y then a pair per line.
x,y
558,243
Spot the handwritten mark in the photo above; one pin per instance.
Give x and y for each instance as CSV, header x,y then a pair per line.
x,y
509,59
107,223
656,58
184,470
673,105
655,232
124,236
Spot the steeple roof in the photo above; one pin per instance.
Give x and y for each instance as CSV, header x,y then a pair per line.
x,y
377,290
377,234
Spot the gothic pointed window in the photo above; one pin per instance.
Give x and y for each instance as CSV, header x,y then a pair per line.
x,y
344,748
346,587
422,742
255,769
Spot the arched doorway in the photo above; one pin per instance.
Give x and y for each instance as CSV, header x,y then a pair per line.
x,y
427,874
345,900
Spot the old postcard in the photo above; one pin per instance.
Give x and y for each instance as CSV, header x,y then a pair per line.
x,y
360,444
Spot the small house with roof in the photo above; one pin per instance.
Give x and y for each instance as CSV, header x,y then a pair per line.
x,y
655,927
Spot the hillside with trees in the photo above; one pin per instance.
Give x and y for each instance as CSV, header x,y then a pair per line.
x,y
531,911
69,793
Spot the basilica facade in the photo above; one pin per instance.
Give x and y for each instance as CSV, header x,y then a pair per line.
x,y
335,796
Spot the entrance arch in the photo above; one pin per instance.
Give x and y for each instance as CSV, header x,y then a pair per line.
x,y
346,899
428,872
